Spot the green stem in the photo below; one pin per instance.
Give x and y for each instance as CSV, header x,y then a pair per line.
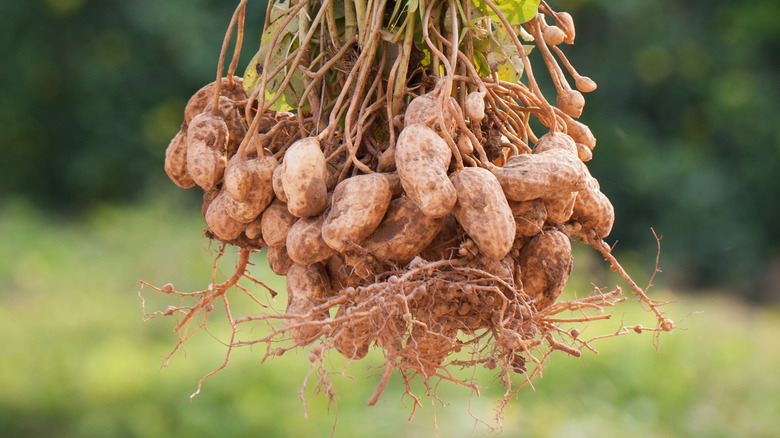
x,y
350,19
399,91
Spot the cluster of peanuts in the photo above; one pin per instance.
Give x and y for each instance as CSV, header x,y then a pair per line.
x,y
328,237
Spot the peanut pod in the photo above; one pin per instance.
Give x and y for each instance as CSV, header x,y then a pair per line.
x,y
304,178
358,206
422,159
483,211
307,287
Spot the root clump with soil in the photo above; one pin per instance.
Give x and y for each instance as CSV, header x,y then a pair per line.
x,y
401,166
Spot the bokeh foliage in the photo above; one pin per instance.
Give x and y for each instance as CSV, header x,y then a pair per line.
x,y
686,115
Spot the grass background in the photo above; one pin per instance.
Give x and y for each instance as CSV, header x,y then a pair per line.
x,y
77,360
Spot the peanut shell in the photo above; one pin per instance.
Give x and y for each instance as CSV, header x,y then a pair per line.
x,y
207,138
219,221
483,211
425,109
559,210
276,222
403,233
594,210
304,178
545,265
422,158
197,103
278,260
548,174
358,206
176,161
304,241
307,287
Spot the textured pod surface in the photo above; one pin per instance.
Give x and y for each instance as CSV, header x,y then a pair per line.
x,y
475,105
304,178
580,133
594,210
206,142
233,119
483,211
304,241
353,340
278,260
555,140
197,103
559,210
278,186
251,180
244,212
422,158
176,161
307,287
529,217
238,179
545,265
403,233
358,206
571,102
425,110
276,222
548,174
219,221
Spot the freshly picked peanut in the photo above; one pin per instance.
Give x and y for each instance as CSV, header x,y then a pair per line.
x,y
594,210
250,180
176,161
304,178
483,211
207,137
560,209
278,186
403,233
549,174
197,103
220,222
475,105
234,121
555,140
304,241
358,206
422,158
278,260
545,265
425,110
353,341
307,287
276,222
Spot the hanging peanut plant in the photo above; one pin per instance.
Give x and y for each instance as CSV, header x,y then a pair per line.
x,y
399,164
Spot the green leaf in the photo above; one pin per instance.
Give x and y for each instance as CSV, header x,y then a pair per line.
x,y
285,43
515,11
482,64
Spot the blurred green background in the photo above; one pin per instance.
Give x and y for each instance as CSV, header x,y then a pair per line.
x,y
91,92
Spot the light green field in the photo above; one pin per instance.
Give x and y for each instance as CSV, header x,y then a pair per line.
x,y
78,361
